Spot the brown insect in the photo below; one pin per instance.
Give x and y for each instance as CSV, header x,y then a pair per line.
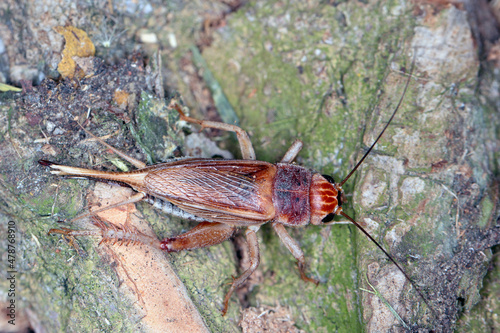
x,y
224,195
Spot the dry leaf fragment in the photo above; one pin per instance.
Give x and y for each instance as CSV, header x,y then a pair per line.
x,y
5,87
77,44
121,98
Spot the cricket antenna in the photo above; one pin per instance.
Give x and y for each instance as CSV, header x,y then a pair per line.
x,y
385,127
358,225
391,259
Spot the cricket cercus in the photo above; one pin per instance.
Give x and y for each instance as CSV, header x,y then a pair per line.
x,y
224,195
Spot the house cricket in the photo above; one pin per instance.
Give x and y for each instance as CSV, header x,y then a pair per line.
x,y
224,195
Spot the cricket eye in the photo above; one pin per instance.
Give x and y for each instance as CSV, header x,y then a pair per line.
x,y
328,218
329,178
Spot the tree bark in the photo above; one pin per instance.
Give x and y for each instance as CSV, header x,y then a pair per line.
x,y
329,75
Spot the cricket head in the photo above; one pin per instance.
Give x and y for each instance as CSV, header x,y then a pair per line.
x,y
325,199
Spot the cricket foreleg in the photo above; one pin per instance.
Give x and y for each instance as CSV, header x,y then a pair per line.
x,y
253,248
246,147
294,248
203,235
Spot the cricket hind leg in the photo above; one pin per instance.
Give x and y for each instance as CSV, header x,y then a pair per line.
x,y
70,236
254,254
247,151
203,235
292,245
208,234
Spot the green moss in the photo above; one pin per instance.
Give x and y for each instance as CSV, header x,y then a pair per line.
x,y
487,207
64,201
153,129
76,289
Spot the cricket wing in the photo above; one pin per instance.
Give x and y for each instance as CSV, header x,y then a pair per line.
x,y
235,192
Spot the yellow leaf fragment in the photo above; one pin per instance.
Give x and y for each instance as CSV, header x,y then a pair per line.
x,y
121,98
5,87
77,44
